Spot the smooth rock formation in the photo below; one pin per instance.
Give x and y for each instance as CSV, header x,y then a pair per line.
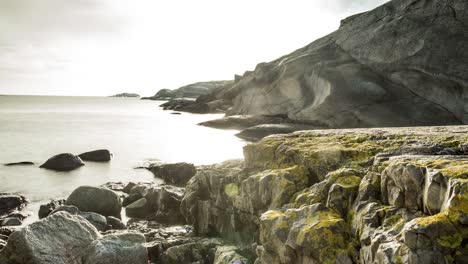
x,y
60,239
94,199
401,64
176,173
100,155
63,162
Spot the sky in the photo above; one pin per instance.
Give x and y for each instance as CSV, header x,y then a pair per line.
x,y
104,47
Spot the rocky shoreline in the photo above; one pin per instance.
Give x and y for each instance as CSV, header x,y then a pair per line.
x,y
389,195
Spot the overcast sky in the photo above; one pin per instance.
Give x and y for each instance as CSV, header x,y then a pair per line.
x,y
103,47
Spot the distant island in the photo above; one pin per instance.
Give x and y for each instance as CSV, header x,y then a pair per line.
x,y
132,95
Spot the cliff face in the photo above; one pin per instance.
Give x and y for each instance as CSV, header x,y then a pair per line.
x,y
193,90
341,196
401,64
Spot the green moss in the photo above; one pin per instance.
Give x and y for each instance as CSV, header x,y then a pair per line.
x,y
452,241
395,222
349,181
231,190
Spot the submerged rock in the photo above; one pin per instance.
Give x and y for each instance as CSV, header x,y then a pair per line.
x,y
101,155
63,162
21,163
94,199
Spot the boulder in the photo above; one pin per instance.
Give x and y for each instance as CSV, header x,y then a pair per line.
x,y
97,220
46,209
63,162
121,248
60,239
164,201
101,155
202,251
11,202
94,199
175,173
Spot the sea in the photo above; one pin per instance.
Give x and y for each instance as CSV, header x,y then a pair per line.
x,y
35,128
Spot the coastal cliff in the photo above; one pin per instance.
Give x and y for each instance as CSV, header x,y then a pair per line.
x,y
401,64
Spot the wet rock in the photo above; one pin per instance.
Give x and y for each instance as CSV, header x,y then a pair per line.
x,y
121,248
94,199
63,162
128,187
46,209
176,173
60,238
21,163
11,202
164,201
101,155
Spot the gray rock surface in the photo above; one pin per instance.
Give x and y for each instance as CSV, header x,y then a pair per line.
x,y
94,199
63,162
256,133
100,155
123,248
11,202
401,64
60,239
97,220
189,91
46,209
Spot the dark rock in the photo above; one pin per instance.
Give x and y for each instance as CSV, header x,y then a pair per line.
x,y
11,202
101,155
46,209
94,199
164,201
11,221
128,95
176,113
176,173
128,187
115,223
21,163
63,162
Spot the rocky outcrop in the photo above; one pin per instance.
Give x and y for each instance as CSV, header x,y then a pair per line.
x,y
100,155
243,121
340,196
189,91
11,202
94,199
69,238
256,133
63,162
175,173
401,64
46,209
160,203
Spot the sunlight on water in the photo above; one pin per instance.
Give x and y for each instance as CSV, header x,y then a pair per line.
x,y
136,131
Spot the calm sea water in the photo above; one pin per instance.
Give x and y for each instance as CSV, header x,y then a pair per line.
x,y
34,128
